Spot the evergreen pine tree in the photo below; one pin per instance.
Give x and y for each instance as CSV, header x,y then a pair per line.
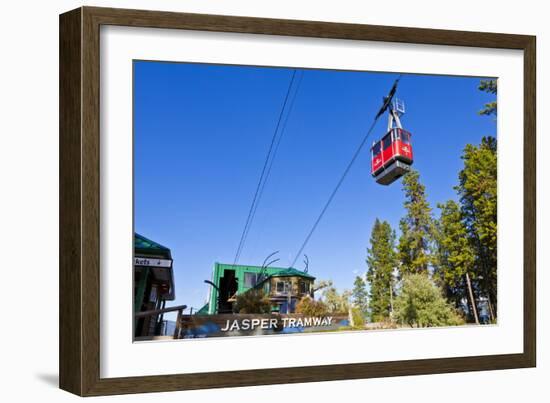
x,y
381,261
359,295
415,242
489,86
455,258
478,196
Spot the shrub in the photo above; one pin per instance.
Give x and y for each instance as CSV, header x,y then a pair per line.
x,y
252,301
358,318
309,307
420,303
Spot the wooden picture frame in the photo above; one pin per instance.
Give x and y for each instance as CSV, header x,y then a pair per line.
x,y
79,201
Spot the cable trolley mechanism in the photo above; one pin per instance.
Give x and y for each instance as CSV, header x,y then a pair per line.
x,y
392,155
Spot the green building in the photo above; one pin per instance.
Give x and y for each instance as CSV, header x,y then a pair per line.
x,y
153,285
284,286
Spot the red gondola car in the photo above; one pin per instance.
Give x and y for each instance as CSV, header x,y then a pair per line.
x,y
392,156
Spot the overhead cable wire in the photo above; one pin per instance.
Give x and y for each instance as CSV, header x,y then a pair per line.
x,y
263,176
291,105
385,105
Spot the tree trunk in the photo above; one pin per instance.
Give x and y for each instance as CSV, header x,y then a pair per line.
x,y
491,312
391,302
472,301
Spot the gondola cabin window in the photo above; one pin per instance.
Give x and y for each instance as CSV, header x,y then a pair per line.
x,y
386,141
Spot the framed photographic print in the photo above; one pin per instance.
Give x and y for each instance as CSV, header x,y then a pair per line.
x,y
249,201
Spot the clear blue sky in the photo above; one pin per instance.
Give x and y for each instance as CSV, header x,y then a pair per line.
x,y
201,136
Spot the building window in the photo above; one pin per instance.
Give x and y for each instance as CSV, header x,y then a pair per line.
x,y
250,279
304,287
153,294
283,287
280,286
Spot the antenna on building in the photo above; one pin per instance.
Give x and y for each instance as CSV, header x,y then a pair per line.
x,y
306,262
265,265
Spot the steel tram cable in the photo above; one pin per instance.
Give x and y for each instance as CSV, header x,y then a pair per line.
x,y
283,127
385,105
255,199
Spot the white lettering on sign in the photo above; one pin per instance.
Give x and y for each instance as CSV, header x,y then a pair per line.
x,y
264,323
141,261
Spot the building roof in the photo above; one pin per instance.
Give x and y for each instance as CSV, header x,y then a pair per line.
x,y
204,310
292,272
288,272
270,271
147,246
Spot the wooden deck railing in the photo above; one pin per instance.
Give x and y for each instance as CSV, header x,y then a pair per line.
x,y
179,309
